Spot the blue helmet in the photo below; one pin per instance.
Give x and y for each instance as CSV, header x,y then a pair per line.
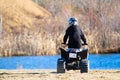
x,y
72,20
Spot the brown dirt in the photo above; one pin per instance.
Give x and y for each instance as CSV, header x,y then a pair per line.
x,y
52,75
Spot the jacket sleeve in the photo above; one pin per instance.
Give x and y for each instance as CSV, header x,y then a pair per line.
x,y
65,37
83,37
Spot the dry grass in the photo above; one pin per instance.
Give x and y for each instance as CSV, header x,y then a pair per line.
x,y
28,29
24,44
18,20
20,13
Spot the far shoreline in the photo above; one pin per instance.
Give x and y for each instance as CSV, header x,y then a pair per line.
x,y
20,55
56,70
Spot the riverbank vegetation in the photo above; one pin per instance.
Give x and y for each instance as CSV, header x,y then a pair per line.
x,y
99,20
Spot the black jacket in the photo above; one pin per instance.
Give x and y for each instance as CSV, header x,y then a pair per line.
x,y
75,35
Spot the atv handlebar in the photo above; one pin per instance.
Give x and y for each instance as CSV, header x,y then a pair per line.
x,y
82,44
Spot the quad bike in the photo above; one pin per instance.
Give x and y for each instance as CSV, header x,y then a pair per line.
x,y
73,60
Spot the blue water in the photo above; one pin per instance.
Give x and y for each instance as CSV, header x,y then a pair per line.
x,y
100,61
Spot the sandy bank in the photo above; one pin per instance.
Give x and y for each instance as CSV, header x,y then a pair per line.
x,y
52,75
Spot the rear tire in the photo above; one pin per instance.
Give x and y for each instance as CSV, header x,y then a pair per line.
x,y
60,66
84,66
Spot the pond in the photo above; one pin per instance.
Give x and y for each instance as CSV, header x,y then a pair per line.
x,y
97,61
